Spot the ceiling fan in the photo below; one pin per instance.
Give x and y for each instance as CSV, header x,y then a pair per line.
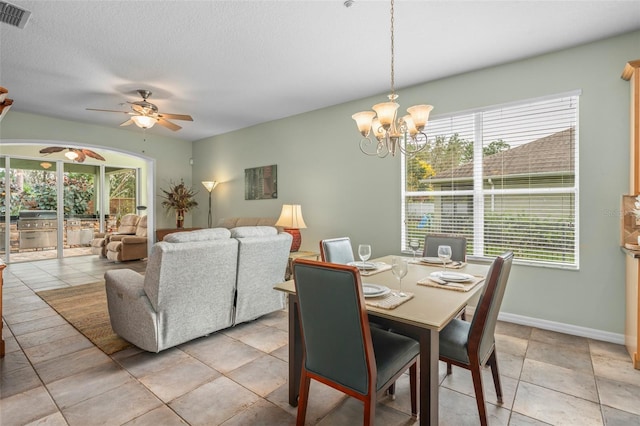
x,y
145,114
76,154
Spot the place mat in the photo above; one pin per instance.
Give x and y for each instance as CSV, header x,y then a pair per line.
x,y
451,265
381,267
388,301
452,286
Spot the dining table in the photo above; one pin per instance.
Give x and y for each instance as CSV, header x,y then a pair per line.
x,y
427,311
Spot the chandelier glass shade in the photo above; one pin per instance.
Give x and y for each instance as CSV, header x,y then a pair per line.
x,y
143,121
392,133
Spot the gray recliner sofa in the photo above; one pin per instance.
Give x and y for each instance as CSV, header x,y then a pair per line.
x,y
197,283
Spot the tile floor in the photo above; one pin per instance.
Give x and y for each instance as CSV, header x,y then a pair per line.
x,y
52,375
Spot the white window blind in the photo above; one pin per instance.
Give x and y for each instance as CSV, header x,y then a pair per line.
x,y
503,176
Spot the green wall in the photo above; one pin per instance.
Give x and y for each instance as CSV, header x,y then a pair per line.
x,y
343,192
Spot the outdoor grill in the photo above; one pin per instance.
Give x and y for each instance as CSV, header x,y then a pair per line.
x,y
38,229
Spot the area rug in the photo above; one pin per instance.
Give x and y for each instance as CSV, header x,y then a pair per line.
x,y
85,308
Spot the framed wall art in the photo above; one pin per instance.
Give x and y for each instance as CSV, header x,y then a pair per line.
x,y
260,183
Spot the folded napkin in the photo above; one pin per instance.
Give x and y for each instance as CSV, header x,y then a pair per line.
x,y
466,286
389,300
380,267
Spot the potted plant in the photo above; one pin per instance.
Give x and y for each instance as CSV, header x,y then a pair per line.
x,y
179,198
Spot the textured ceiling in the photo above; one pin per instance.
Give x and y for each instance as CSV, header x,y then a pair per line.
x,y
233,64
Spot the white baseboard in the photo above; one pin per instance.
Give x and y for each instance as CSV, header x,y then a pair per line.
x,y
574,330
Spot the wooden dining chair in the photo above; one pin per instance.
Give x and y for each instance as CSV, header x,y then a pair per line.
x,y
458,244
336,250
340,349
472,345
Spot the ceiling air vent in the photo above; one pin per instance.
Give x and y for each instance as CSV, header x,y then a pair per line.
x,y
12,15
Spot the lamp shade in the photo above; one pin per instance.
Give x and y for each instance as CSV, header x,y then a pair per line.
x,y
363,121
291,220
386,113
411,127
420,115
143,121
291,217
210,185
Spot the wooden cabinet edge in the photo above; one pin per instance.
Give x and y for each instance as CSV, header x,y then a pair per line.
x,y
2,266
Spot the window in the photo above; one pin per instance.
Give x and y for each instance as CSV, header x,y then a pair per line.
x,y
503,176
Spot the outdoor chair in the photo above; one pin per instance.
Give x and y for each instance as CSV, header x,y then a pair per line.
x,y
122,247
127,226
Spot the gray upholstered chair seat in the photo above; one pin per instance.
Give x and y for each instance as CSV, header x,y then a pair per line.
x,y
392,352
453,340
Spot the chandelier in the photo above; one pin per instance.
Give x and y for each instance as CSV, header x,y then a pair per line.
x,y
393,134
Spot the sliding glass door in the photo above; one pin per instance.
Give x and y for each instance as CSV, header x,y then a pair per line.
x,y
52,209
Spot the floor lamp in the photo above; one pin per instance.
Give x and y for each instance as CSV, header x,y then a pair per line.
x,y
210,185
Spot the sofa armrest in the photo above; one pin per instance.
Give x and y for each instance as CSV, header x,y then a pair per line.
x,y
126,282
132,239
131,313
117,237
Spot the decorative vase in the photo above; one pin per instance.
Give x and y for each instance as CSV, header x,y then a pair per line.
x,y
180,219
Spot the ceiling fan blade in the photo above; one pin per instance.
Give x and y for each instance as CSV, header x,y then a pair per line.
x,y
176,116
108,110
51,149
168,124
93,154
126,123
81,157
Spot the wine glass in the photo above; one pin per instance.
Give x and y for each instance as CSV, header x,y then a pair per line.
x,y
444,253
399,267
414,245
364,252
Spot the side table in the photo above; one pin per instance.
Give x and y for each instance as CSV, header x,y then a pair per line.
x,y
161,233
299,255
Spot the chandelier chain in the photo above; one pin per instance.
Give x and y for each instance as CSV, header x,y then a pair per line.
x,y
393,91
393,134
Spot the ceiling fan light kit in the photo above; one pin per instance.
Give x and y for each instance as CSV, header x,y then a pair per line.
x,y
143,121
77,155
145,115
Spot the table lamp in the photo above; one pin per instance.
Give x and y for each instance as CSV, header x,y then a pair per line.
x,y
291,220
210,185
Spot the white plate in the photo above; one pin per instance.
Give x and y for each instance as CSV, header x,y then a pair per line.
x,y
454,277
435,260
367,266
374,290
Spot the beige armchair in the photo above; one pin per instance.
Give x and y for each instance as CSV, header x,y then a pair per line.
x,y
121,248
127,227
